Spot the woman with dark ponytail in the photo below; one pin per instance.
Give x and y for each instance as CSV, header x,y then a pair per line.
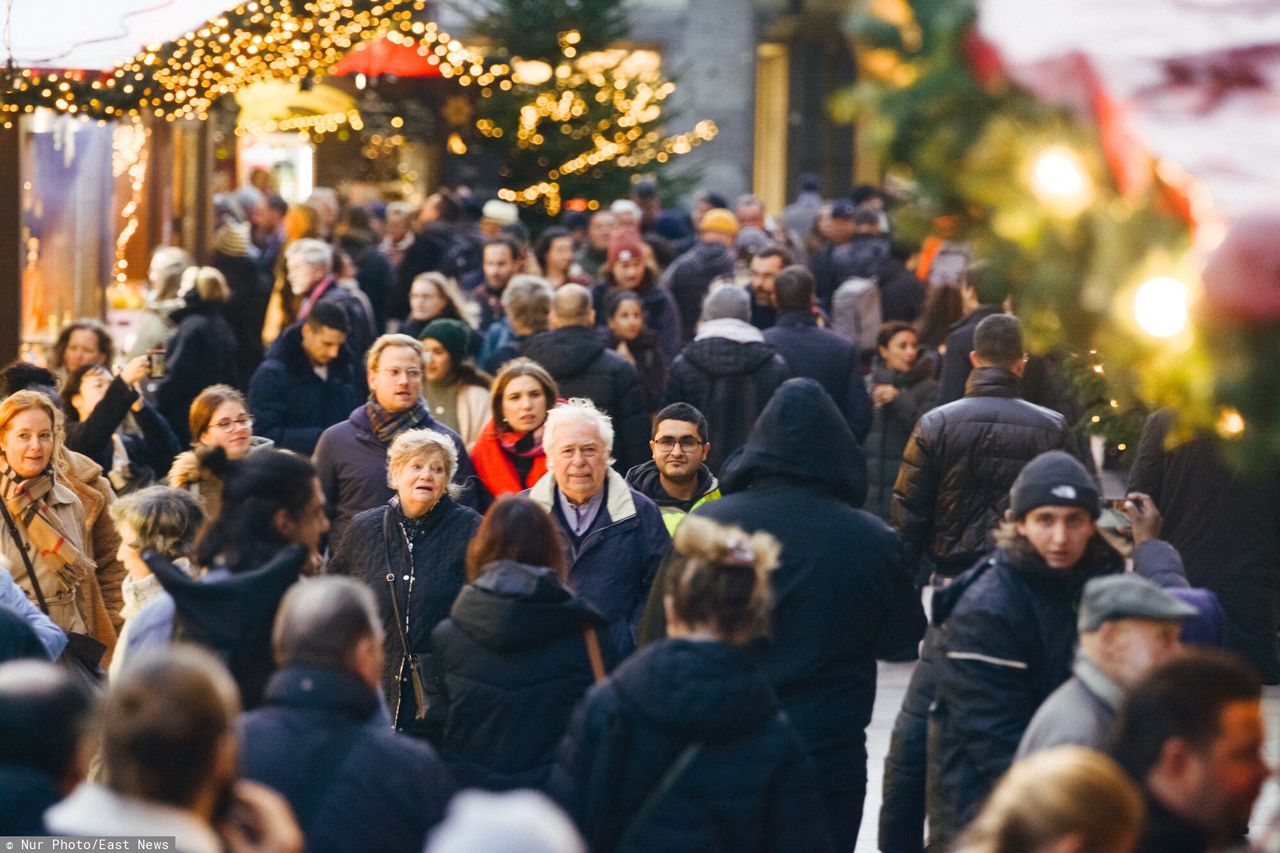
x,y
266,534
685,746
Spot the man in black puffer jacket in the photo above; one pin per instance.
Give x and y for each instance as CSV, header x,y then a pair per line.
x,y
962,458
576,357
728,370
1007,635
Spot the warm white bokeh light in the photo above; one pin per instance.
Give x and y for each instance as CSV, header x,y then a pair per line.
x,y
1160,306
1059,180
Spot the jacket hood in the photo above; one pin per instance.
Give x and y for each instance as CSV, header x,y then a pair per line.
x,y
696,690
731,328
288,350
647,480
564,352
723,357
800,435
512,606
711,257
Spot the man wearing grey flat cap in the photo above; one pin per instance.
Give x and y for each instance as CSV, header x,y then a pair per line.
x,y
1128,625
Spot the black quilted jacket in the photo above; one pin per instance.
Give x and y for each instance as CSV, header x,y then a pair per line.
x,y
960,462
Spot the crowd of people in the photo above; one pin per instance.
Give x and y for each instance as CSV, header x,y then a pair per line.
x,y
393,529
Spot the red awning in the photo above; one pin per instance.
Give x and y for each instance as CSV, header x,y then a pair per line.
x,y
382,56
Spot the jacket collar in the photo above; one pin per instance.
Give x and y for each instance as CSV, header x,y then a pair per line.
x,y
1097,682
731,328
992,382
618,501
322,688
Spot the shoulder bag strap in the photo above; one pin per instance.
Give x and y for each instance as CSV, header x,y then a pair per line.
x,y
391,585
660,791
26,558
593,651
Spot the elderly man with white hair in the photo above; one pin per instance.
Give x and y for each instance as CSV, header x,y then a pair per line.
x,y
310,269
614,536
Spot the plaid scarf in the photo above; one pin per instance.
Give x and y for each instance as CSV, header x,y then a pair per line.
x,y
25,501
387,425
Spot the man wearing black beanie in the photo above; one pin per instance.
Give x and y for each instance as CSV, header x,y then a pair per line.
x,y
1007,633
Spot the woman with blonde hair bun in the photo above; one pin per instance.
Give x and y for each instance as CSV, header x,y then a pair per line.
x,y
685,746
1063,800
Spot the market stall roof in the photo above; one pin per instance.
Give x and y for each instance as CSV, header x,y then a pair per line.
x,y
99,34
1194,82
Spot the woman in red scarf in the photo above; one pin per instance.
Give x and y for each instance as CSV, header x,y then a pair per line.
x,y
508,453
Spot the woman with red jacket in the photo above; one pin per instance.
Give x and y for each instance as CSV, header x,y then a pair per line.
x,y
508,453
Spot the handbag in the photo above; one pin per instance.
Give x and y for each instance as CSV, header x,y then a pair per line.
x,y
83,654
418,665
418,676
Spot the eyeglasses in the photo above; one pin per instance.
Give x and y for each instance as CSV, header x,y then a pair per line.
x,y
687,443
227,424
395,373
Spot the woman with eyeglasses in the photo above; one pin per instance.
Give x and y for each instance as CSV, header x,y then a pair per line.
x,y
219,418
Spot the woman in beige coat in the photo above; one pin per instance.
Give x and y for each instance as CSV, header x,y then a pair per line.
x,y
45,522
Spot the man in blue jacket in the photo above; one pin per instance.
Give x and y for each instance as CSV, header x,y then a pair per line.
x,y
322,737
307,383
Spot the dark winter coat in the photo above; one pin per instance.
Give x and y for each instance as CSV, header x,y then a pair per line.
x,y
613,566
582,367
321,740
352,466
1226,527
902,800
433,549
291,404
229,611
246,310
1007,637
374,272
513,664
25,794
661,313
827,358
901,293
955,361
731,382
748,788
689,278
427,253
891,427
799,478
201,353
150,452
959,464
650,364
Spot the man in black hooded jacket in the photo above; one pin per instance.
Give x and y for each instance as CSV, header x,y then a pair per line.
x,y
799,477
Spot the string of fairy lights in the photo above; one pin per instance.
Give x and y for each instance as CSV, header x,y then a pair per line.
x,y
300,41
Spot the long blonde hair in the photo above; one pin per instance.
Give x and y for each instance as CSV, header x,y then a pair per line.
x,y
1060,792
22,401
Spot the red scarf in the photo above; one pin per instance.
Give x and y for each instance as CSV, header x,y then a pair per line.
x,y
493,460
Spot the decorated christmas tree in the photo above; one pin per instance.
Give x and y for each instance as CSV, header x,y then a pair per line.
x,y
576,116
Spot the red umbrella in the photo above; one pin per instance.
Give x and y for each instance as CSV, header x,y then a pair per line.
x,y
382,56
